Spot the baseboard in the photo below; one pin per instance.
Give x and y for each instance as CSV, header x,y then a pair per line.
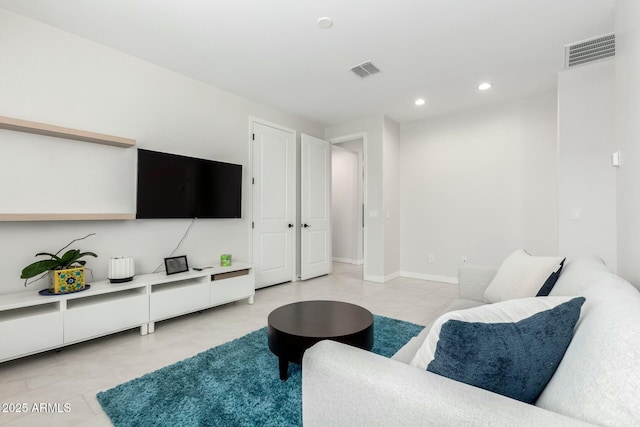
x,y
348,260
411,275
344,260
372,278
391,276
430,277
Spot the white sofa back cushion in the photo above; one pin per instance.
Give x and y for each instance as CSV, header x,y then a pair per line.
x,y
577,275
520,276
598,379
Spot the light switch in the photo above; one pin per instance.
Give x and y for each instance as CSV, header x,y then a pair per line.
x,y
615,159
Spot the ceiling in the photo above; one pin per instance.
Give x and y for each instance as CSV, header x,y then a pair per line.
x,y
273,52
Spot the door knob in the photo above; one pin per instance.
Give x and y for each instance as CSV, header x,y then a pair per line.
x,y
290,226
306,225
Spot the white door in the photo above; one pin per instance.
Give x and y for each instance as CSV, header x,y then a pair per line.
x,y
274,204
315,207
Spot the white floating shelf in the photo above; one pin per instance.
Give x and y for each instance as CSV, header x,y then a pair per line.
x,y
62,132
66,216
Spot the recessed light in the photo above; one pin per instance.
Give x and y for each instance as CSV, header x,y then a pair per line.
x,y
420,101
485,86
325,22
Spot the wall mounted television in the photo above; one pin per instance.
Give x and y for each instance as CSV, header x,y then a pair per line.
x,y
173,186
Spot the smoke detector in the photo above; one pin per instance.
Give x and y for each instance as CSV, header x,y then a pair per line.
x,y
365,69
585,51
325,22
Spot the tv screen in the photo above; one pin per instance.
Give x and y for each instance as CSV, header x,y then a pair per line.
x,y
173,186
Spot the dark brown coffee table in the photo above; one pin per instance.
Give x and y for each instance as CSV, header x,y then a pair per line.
x,y
293,328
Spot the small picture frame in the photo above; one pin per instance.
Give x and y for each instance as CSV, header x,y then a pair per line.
x,y
176,264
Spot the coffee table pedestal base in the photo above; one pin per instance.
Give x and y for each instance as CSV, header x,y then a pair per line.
x,y
283,365
293,328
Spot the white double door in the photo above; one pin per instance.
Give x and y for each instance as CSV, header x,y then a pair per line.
x,y
315,207
274,226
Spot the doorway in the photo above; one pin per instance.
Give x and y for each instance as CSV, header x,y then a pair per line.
x,y
347,201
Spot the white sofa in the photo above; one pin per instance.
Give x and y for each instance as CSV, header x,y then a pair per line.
x,y
597,382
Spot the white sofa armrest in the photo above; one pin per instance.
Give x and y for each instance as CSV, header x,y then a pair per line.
x,y
473,280
347,386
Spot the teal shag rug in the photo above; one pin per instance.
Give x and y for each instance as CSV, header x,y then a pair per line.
x,y
234,384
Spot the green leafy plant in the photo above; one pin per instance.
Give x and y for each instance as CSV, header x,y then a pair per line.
x,y
70,259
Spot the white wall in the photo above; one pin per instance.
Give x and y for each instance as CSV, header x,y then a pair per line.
x,y
481,184
628,136
345,210
50,76
372,127
391,179
587,181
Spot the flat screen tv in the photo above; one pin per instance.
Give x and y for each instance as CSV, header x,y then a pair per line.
x,y
173,186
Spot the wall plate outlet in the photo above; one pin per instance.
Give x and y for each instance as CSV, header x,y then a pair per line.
x,y
432,258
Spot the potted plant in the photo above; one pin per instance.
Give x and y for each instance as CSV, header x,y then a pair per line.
x,y
66,272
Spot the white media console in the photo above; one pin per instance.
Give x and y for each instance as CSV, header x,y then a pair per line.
x,y
32,323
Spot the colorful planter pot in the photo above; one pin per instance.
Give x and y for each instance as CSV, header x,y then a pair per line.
x,y
69,280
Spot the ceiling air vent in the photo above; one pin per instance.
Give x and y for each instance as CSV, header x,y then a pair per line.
x,y
365,69
590,50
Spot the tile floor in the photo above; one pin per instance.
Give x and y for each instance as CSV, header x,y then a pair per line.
x,y
76,373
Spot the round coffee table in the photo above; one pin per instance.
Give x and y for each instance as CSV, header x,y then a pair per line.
x,y
293,328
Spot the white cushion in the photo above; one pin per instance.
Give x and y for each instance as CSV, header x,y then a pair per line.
x,y
502,312
406,353
520,275
598,379
577,275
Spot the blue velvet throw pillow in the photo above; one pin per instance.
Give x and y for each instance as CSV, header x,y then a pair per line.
x,y
551,281
516,359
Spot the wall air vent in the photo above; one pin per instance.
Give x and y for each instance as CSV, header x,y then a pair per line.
x,y
590,50
365,69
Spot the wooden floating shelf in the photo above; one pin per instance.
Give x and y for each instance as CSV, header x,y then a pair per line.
x,y
66,217
62,132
